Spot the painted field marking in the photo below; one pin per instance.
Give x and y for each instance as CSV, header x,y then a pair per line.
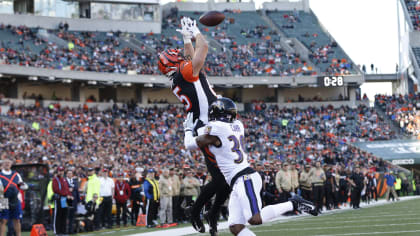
x,y
334,227
369,233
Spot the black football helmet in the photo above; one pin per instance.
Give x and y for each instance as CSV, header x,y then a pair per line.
x,y
223,109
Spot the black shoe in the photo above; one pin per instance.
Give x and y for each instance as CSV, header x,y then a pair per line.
x,y
151,226
300,204
197,224
212,224
213,232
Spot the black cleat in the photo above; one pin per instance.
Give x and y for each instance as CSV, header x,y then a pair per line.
x,y
213,232
212,224
198,224
300,204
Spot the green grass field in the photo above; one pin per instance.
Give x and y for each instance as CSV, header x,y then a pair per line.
x,y
399,218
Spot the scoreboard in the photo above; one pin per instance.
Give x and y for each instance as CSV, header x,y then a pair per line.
x,y
330,81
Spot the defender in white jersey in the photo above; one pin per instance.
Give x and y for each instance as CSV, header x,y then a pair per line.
x,y
224,139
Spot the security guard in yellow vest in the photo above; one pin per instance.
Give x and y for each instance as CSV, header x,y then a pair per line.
x,y
50,195
398,185
151,191
93,186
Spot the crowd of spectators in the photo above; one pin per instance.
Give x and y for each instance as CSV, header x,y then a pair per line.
x,y
91,135
402,109
252,51
85,140
320,52
413,7
85,51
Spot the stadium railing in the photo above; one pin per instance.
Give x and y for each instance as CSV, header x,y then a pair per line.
x,y
81,24
292,81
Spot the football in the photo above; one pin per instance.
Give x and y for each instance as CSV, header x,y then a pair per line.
x,y
212,18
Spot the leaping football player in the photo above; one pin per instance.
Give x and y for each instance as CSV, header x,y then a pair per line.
x,y
190,86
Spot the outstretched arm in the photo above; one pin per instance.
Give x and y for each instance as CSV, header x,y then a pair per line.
x,y
200,54
201,141
187,34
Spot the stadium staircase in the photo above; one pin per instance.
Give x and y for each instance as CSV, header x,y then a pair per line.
x,y
417,54
288,43
51,37
308,30
133,43
392,124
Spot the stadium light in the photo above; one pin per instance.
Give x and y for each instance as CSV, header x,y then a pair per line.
x,y
51,78
34,78
1,75
126,84
67,81
273,86
248,86
92,82
148,85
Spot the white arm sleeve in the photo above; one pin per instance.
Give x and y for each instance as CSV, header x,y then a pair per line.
x,y
189,141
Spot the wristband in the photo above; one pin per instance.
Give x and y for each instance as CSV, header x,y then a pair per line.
x,y
187,40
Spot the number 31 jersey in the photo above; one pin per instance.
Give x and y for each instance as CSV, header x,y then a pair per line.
x,y
194,92
230,156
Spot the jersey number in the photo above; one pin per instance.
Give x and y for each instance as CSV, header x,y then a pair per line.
x,y
184,99
237,146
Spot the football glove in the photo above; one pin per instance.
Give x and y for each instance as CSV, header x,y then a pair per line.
x,y
189,122
194,29
186,33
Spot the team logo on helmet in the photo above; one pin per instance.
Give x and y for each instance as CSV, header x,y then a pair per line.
x,y
169,61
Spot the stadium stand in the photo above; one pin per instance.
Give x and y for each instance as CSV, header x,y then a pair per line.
x,y
413,7
417,53
403,110
305,26
244,51
117,134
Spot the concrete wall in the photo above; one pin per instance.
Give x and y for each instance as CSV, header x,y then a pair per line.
x,y
86,92
158,94
309,93
244,6
415,39
60,90
285,5
29,102
81,24
125,94
142,79
208,6
257,93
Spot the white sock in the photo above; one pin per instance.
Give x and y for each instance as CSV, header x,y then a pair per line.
x,y
246,232
270,212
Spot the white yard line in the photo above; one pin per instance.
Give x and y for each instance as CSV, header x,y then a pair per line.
x,y
353,221
333,227
370,233
224,225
